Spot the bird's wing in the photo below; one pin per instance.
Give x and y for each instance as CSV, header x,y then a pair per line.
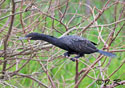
x,y
83,46
79,44
93,43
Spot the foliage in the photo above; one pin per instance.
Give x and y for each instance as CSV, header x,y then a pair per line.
x,y
38,64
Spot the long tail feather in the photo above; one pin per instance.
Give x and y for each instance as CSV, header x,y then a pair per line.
x,y
106,53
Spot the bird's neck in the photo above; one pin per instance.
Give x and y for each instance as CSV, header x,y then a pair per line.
x,y
48,38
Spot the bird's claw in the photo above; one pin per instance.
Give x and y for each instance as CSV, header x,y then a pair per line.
x,y
66,54
73,59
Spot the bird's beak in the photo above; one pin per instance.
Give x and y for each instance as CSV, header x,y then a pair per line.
x,y
21,38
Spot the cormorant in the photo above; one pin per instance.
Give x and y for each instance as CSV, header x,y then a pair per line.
x,y
71,43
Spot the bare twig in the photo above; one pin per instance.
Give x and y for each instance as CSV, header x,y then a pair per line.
x,y
7,37
97,17
49,77
77,73
87,71
30,77
116,69
65,10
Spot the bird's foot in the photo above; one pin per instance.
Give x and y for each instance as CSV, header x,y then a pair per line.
x,y
73,59
76,58
66,54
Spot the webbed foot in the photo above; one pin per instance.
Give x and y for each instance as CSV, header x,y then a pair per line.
x,y
66,54
73,59
76,57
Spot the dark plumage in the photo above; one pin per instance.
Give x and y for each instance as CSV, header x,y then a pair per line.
x,y
71,43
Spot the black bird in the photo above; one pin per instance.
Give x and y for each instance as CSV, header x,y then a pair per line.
x,y
71,43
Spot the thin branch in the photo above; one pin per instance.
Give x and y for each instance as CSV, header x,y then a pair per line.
x,y
21,20
49,77
2,2
65,10
116,69
98,16
103,9
14,73
30,77
7,37
87,71
77,73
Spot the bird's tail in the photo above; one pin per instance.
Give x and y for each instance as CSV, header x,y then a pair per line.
x,y
106,53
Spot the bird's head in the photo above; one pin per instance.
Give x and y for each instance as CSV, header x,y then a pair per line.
x,y
31,36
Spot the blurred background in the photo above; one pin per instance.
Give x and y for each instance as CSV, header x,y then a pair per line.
x,y
38,64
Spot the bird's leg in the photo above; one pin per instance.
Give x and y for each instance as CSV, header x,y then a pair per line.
x,y
66,54
76,57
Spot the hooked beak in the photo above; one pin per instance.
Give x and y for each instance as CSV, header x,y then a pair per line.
x,y
21,38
